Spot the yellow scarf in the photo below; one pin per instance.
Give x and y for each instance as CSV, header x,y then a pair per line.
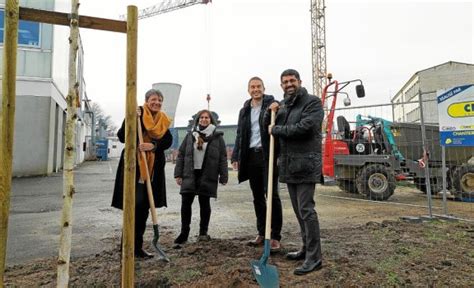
x,y
155,128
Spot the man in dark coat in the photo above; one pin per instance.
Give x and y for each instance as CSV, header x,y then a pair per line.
x,y
250,158
298,130
158,146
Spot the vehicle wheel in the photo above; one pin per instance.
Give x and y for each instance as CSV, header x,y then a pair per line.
x,y
436,185
376,182
463,179
347,186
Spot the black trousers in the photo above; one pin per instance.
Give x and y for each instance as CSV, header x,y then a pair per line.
x,y
142,207
187,200
258,178
302,200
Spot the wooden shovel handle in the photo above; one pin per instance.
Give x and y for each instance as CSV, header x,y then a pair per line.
x,y
149,189
268,221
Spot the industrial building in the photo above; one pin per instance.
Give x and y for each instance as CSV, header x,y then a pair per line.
x,y
427,82
41,90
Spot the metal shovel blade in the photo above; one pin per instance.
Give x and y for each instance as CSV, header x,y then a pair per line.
x,y
266,275
161,254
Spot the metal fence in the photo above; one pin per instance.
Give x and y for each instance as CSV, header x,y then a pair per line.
x,y
400,162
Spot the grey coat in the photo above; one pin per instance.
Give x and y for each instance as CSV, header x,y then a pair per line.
x,y
298,130
214,167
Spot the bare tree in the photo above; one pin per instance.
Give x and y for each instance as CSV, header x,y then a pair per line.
x,y
102,119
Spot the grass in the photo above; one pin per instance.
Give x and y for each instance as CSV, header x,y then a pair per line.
x,y
393,279
409,251
180,275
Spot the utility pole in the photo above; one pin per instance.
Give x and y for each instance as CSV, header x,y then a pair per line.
x,y
208,99
318,36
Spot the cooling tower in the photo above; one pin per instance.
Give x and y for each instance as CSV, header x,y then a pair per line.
x,y
171,96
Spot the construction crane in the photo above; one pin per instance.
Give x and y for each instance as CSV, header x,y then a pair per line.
x,y
318,37
167,6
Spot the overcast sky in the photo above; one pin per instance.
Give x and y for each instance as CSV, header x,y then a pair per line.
x,y
216,48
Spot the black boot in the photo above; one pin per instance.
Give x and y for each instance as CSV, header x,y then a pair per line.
x,y
183,237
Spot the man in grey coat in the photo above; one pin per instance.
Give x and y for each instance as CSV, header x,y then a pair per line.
x,y
298,131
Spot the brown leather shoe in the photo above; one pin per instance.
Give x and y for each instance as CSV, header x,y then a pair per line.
x,y
257,242
275,245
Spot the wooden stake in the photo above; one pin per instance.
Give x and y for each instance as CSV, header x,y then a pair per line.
x,y
7,122
128,264
69,153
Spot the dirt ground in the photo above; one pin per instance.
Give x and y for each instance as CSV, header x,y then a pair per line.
x,y
364,243
391,253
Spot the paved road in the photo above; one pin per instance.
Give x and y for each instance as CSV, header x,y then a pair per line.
x,y
36,205
35,213
37,202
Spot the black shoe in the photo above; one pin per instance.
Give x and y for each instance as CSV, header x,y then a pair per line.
x,y
182,238
308,266
298,255
204,238
143,254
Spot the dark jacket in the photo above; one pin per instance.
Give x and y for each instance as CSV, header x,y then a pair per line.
x,y
214,167
158,176
298,130
242,139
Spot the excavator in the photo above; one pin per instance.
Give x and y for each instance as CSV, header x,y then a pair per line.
x,y
377,153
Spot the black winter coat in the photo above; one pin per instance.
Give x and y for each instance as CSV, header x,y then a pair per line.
x,y
242,139
298,130
214,167
158,182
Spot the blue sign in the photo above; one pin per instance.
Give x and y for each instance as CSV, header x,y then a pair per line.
x,y
28,32
456,116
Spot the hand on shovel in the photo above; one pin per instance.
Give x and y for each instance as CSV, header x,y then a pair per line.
x,y
156,235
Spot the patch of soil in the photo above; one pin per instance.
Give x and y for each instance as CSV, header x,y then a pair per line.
x,y
391,253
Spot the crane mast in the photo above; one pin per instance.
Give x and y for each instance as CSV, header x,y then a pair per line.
x,y
167,6
318,37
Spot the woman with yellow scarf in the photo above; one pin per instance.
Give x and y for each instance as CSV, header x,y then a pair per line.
x,y
156,139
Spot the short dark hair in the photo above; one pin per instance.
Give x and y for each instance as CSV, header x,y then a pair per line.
x,y
152,92
256,78
290,72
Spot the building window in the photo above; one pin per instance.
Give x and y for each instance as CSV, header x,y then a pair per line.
x,y
28,32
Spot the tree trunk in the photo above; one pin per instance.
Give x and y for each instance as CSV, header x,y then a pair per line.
x,y
69,153
7,123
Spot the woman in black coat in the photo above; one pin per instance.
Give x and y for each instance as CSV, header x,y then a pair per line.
x,y
201,163
157,139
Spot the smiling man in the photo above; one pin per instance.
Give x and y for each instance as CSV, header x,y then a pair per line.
x,y
298,131
250,157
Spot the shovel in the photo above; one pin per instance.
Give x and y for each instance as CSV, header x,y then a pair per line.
x,y
161,254
267,275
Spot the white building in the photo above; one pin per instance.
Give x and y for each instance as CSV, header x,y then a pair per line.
x,y
42,86
427,82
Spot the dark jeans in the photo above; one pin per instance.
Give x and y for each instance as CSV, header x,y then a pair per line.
x,y
302,200
258,178
187,200
142,207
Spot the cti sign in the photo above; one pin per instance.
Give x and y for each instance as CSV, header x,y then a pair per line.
x,y
456,116
462,109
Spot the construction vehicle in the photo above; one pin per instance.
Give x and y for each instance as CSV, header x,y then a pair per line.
x,y
377,153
